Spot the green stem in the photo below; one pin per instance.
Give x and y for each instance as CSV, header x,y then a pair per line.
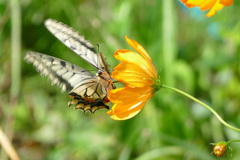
x,y
169,39
15,48
233,141
204,105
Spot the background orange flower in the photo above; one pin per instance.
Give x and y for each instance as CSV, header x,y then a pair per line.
x,y
214,5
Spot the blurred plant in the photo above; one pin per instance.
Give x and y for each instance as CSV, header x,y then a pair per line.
x,y
7,135
214,5
7,146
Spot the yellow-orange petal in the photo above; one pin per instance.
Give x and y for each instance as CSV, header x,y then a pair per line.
x,y
129,110
226,2
128,95
132,75
215,8
127,114
192,3
128,56
214,5
207,5
135,45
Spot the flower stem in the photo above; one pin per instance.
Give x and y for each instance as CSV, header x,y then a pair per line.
x,y
233,141
204,105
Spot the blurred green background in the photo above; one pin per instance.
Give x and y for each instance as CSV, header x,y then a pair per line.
x,y
194,53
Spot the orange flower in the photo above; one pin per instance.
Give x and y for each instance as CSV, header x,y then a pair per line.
x,y
139,74
214,5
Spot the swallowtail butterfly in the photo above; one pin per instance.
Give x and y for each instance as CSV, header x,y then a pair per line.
x,y
88,91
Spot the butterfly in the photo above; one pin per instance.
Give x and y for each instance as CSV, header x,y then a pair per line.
x,y
88,91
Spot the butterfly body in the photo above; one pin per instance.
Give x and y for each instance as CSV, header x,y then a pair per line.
x,y
88,91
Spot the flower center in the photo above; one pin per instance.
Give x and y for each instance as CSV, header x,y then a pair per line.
x,y
157,85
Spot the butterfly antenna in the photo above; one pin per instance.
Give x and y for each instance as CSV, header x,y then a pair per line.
x,y
97,47
98,53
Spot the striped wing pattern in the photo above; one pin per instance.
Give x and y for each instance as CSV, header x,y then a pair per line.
x,y
73,40
61,73
88,91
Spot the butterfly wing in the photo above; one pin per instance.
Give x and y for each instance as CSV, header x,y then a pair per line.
x,y
85,88
73,40
88,91
93,96
61,73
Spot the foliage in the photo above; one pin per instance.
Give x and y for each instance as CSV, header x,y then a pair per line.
x,y
203,59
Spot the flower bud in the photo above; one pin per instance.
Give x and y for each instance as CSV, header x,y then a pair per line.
x,y
220,149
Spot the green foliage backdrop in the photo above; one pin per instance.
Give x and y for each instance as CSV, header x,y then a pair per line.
x,y
196,54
